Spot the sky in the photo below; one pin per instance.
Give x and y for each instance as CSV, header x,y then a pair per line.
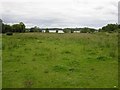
x,y
60,13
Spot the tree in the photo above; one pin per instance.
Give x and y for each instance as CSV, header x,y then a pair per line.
x,y
6,28
18,27
92,30
87,30
0,26
72,31
119,26
22,27
9,33
47,30
35,29
56,31
3,28
66,30
110,28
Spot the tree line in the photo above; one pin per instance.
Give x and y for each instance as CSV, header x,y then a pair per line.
x,y
13,28
20,28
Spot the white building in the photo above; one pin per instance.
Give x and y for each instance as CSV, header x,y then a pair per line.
x,y
60,31
52,31
76,31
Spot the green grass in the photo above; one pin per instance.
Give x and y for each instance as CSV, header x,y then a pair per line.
x,y
35,60
0,61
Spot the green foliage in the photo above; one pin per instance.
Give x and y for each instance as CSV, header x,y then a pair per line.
x,y
22,25
87,30
14,28
9,33
118,30
47,30
35,29
67,30
110,28
56,31
18,27
6,28
72,31
84,30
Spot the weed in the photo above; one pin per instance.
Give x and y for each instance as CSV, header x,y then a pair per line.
x,y
28,84
101,58
66,52
59,68
71,69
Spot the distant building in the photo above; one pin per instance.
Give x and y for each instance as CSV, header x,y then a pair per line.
x,y
52,31
0,26
77,31
43,31
60,31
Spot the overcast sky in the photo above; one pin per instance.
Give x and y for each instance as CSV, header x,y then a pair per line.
x,y
60,13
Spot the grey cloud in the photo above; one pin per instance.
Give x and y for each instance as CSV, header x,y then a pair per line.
x,y
114,4
99,8
61,13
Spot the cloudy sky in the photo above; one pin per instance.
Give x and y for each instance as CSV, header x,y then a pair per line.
x,y
60,13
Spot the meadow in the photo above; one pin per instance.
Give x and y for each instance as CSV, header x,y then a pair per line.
x,y
71,60
0,61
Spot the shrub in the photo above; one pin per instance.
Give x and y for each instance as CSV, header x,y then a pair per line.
x,y
47,31
66,30
72,31
9,33
56,31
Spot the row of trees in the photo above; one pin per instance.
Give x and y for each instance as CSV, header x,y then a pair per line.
x,y
21,28
110,28
13,28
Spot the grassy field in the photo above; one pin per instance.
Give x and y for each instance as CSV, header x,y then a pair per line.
x,y
0,61
40,60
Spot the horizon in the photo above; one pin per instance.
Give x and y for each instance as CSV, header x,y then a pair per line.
x,y
57,27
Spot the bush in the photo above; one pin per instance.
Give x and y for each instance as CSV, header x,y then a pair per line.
x,y
46,31
66,30
56,31
9,33
72,31
110,28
